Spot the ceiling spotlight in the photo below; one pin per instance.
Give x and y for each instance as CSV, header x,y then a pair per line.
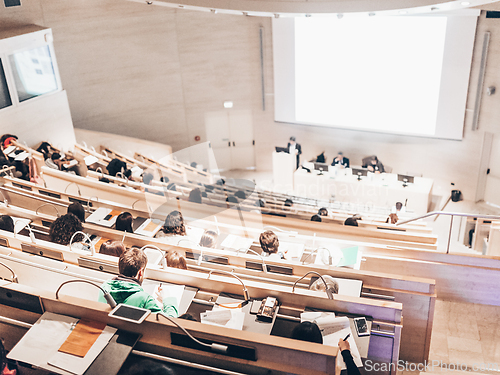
x,y
228,104
340,15
149,2
276,15
214,11
308,15
371,14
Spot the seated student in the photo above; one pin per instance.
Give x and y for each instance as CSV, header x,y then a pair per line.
x,y
164,179
375,165
124,222
6,223
323,211
321,158
126,287
117,166
232,199
240,194
345,351
351,221
333,285
316,217
195,195
173,226
209,239
147,178
175,260
63,228
307,331
77,209
288,202
393,219
113,248
269,243
341,160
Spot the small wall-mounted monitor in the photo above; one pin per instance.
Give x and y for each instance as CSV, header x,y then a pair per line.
x,y
321,167
406,178
359,172
281,149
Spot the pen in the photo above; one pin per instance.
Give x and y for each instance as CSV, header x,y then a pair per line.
x,y
347,336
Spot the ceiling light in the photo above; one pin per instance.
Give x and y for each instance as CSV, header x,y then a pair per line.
x,y
228,104
465,3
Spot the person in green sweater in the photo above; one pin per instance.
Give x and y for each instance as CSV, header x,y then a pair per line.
x,y
126,287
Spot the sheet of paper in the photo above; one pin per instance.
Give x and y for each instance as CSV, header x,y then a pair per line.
x,y
236,242
78,365
90,159
194,234
9,150
292,250
20,223
217,317
167,290
103,216
21,156
148,228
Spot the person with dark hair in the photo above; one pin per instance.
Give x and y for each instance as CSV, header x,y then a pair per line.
x,y
321,158
260,203
193,164
232,199
341,160
195,195
345,351
147,178
63,228
174,225
307,331
113,248
209,239
127,286
6,140
171,186
240,194
316,218
148,367
188,316
270,243
46,149
77,209
323,211
124,222
53,161
288,202
164,179
351,221
6,223
175,260
220,182
399,206
375,165
115,166
294,149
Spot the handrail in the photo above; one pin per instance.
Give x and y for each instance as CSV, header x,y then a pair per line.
x,y
452,214
493,217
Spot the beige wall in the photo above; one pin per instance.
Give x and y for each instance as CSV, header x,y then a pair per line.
x,y
153,72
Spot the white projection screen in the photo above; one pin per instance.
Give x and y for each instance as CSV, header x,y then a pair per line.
x,y
400,75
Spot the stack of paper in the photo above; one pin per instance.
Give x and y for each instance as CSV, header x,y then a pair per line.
x,y
233,242
292,250
104,216
229,318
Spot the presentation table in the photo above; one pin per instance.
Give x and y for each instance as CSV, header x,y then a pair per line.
x,y
379,190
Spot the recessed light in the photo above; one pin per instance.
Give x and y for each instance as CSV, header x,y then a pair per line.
x,y
228,104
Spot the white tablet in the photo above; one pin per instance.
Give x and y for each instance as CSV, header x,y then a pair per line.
x,y
129,313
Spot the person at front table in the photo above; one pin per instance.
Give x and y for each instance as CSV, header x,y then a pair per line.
x,y
375,166
294,149
341,160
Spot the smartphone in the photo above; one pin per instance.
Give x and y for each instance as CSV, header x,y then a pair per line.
x,y
361,326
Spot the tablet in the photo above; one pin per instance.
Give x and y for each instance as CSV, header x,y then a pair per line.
x,y
129,313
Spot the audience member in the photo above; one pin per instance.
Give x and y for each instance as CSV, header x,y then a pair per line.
x,y
63,228
193,164
4,364
127,286
321,158
307,331
148,367
77,209
240,194
323,211
147,178
209,239
351,221
124,222
6,223
318,284
345,350
270,243
174,225
316,218
175,260
164,179
115,166
288,202
294,149
195,195
341,160
232,199
113,248
375,165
